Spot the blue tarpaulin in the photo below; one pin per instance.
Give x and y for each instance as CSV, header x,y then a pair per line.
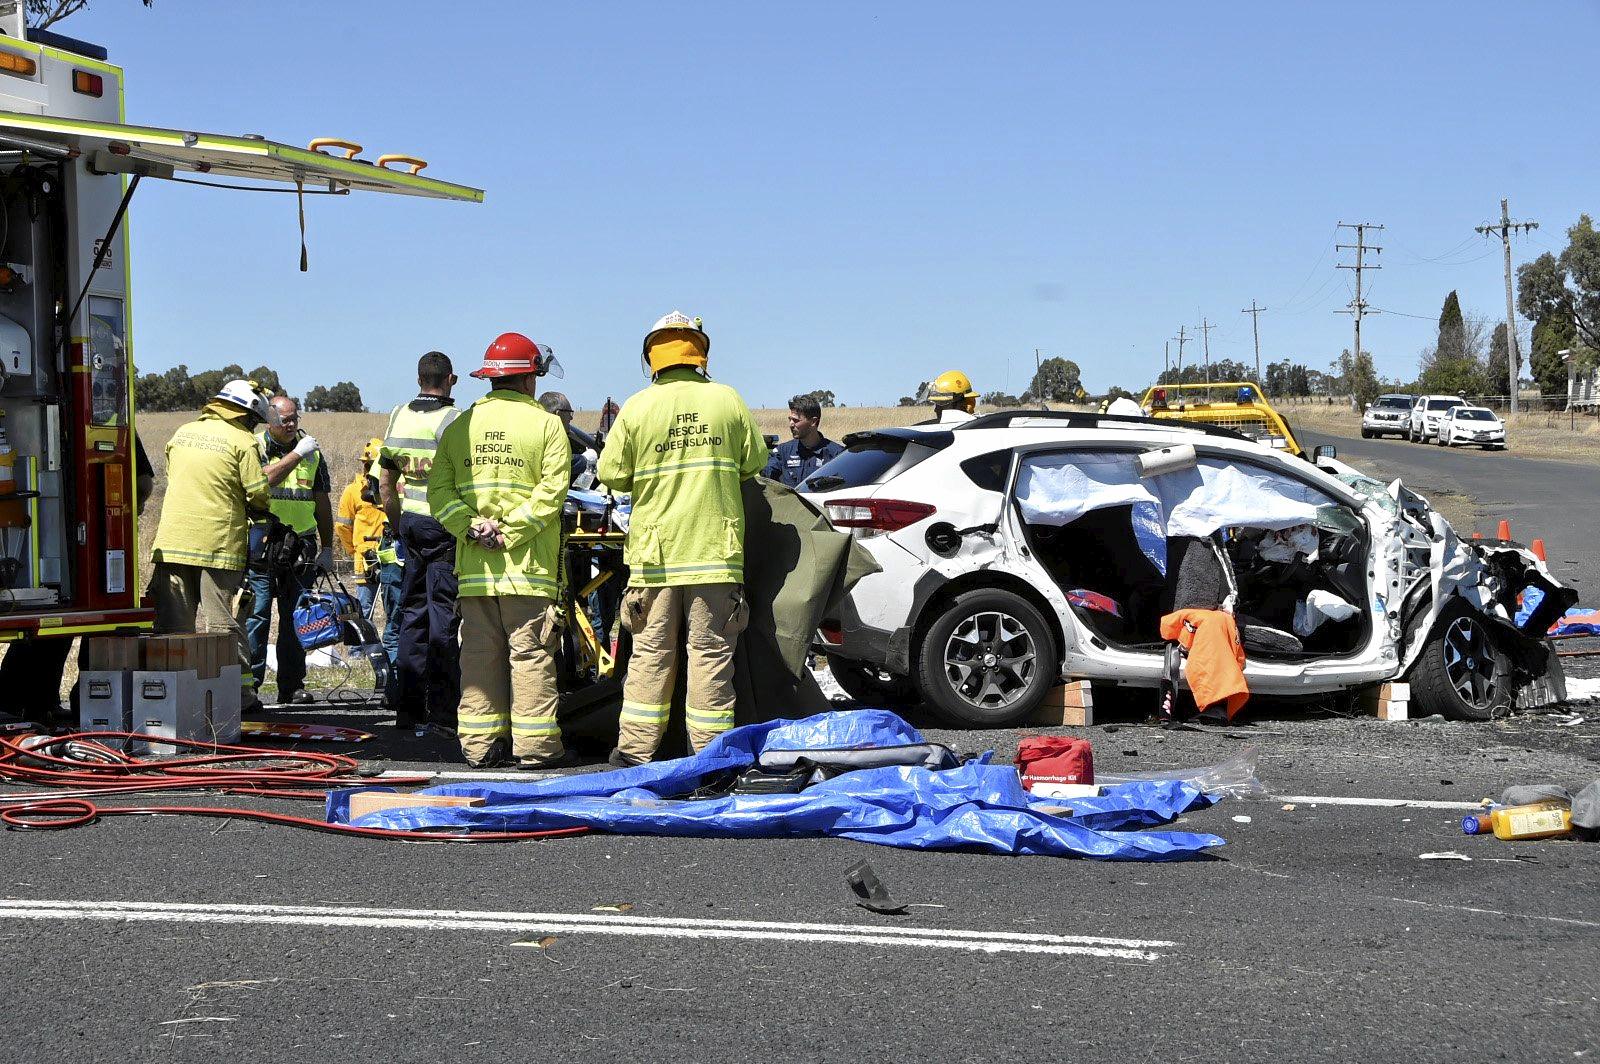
x,y
978,806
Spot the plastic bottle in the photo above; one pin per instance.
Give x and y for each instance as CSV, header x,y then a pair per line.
x,y
1536,820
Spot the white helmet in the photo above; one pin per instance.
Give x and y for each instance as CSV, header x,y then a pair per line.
x,y
248,395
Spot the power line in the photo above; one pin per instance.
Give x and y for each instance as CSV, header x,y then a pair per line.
x,y
1358,307
1503,230
1255,313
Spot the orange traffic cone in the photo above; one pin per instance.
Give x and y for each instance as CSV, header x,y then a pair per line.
x,y
1538,550
1503,532
1477,535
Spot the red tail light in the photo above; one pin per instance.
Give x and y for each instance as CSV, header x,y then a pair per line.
x,y
880,515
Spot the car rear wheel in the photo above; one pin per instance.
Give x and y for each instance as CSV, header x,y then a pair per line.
x,y
988,659
871,684
1462,674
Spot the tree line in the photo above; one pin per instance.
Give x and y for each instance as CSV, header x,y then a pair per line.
x,y
178,389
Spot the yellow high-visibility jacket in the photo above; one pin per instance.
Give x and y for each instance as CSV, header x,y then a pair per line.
x,y
213,476
358,524
682,446
505,458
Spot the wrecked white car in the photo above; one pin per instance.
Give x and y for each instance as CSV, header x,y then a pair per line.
x,y
1021,549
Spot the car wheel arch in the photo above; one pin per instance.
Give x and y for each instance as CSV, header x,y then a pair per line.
x,y
983,580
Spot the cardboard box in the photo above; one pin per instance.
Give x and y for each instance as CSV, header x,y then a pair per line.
x,y
1069,704
1390,701
364,802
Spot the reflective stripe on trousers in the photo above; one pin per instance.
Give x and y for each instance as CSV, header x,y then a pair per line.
x,y
714,614
508,673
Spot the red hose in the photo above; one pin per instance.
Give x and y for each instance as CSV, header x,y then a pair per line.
x,y
122,774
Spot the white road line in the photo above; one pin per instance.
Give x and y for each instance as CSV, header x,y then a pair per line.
x,y
1496,912
588,923
1382,803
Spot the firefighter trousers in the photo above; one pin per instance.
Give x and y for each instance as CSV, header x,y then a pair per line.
x,y
194,598
714,615
508,677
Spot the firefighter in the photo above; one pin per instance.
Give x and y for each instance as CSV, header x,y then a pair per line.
x,y
497,485
214,487
428,666
953,397
297,480
682,446
363,531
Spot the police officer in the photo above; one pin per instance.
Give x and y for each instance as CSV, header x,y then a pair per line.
x,y
497,485
681,446
297,479
427,668
214,487
797,458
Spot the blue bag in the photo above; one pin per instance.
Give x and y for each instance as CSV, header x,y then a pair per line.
x,y
319,617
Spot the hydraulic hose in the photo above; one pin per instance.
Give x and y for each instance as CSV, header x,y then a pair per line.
x,y
98,770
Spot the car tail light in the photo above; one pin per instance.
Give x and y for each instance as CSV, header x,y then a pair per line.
x,y
876,515
831,633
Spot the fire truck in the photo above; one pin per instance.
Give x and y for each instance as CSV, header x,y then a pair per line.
x,y
69,167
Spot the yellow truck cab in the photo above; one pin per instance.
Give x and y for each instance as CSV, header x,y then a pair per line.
x,y
1238,405
69,167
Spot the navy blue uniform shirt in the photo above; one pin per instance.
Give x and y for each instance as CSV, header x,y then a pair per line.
x,y
793,462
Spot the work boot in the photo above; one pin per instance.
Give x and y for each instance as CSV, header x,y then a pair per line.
x,y
618,759
302,697
499,756
565,759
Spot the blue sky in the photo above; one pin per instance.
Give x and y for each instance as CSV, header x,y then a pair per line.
x,y
854,196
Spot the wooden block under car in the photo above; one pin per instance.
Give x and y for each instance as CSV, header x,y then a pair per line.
x,y
1069,705
364,802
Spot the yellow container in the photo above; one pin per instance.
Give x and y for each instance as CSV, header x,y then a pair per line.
x,y
1538,820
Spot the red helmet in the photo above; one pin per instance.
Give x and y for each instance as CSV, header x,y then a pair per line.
x,y
512,354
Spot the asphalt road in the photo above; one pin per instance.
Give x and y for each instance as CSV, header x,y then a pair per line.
x,y
1318,933
1542,498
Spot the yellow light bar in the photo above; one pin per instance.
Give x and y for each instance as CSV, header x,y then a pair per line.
x,y
19,65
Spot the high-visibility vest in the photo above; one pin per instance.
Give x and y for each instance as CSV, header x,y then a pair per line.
x,y
410,442
505,458
292,500
682,446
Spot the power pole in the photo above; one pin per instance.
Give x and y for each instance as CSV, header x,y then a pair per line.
x,y
1255,313
1358,308
1166,361
1503,230
1182,339
1205,331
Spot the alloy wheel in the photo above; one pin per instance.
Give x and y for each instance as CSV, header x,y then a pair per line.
x,y
989,659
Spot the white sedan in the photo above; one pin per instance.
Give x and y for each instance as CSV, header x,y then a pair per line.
x,y
1472,426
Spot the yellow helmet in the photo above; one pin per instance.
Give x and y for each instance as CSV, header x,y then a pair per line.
x,y
953,388
675,340
369,453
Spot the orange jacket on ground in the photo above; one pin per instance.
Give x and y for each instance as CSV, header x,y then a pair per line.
x,y
1215,658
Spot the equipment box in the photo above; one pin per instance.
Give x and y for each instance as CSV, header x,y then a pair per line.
x,y
183,705
104,702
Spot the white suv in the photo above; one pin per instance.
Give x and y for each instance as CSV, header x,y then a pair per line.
x,y
1021,549
1427,412
1472,426
1387,415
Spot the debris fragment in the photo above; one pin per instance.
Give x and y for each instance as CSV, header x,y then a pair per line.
x,y
1443,855
1241,819
870,892
620,907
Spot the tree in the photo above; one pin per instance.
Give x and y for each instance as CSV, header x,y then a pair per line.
x,y
268,379
343,396
999,399
1362,379
1452,328
1058,380
1561,294
823,398
907,400
1497,369
42,14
